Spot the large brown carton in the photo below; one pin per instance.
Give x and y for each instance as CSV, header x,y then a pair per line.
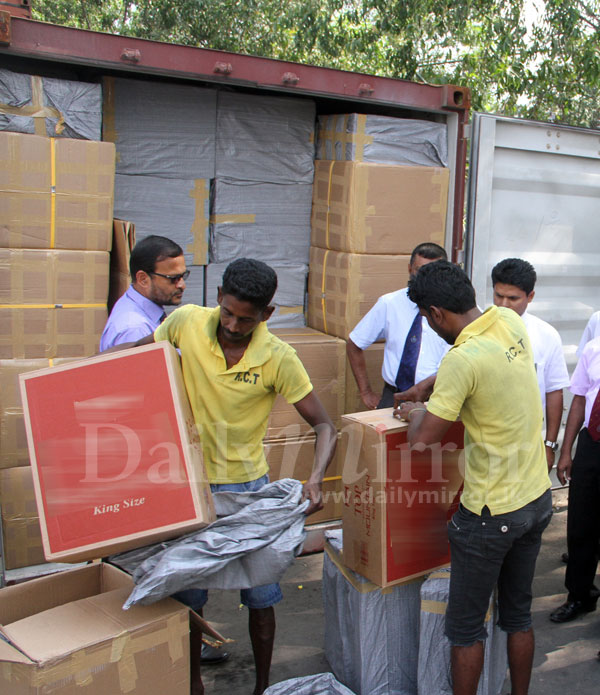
x,y
123,243
374,361
342,287
294,457
13,441
397,500
52,303
21,532
324,359
115,453
377,208
67,633
41,332
55,193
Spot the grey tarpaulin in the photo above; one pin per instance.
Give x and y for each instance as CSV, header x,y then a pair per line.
x,y
382,139
319,684
371,635
434,648
288,299
253,542
79,104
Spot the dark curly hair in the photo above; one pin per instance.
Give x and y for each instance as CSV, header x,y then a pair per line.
x,y
251,281
516,272
444,285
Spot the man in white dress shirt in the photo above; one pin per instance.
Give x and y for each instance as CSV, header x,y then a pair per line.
x,y
591,331
392,319
514,283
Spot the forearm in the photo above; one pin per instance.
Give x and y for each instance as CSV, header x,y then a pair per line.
x,y
575,420
325,444
358,365
554,410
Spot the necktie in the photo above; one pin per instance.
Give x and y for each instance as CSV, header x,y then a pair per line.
x,y
594,422
163,317
405,378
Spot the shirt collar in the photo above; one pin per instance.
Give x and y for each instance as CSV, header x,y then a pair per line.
x,y
479,325
152,310
258,351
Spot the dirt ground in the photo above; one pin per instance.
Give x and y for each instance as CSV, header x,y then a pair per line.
x,y
565,659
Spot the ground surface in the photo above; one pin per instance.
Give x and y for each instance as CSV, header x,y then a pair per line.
x,y
565,660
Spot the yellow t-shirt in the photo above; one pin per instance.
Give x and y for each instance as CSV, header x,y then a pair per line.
x,y
488,378
231,406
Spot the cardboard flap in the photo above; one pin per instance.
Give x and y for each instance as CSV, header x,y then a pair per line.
x,y
380,420
8,653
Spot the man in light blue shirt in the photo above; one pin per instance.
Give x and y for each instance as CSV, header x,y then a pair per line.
x,y
158,276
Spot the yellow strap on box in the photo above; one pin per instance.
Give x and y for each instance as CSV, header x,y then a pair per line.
x,y
52,306
323,291
52,192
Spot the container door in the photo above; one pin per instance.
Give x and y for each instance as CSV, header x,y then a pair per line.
x,y
534,193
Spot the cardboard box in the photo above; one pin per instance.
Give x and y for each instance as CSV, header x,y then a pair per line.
x,y
13,441
115,453
324,358
398,501
55,193
342,287
20,522
294,458
378,208
123,243
67,633
374,361
61,331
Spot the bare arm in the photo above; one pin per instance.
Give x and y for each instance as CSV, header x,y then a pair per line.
x,y
312,410
574,423
554,409
358,365
424,428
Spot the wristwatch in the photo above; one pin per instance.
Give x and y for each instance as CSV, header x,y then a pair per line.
x,y
551,445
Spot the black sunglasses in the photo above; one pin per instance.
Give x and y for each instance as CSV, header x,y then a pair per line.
x,y
173,278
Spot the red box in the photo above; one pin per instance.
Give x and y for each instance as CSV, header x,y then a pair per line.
x,y
397,501
115,454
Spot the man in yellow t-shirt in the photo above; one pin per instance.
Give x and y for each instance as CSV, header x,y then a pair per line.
x,y
487,378
233,368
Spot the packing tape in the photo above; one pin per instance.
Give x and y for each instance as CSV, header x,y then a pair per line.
x,y
439,575
439,608
36,110
364,587
359,138
200,194
174,633
81,669
233,219
109,130
323,306
291,310
52,192
327,219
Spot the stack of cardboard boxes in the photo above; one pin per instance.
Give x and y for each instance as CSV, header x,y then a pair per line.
x,y
380,189
56,206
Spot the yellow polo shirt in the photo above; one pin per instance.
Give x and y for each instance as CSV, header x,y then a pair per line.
x,y
231,406
488,378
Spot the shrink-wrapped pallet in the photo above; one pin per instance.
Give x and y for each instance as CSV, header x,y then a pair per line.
x,y
434,647
371,635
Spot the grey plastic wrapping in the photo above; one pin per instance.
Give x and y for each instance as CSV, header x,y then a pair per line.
x,y
254,541
263,220
160,129
434,650
79,104
371,637
387,140
175,208
261,138
288,299
318,684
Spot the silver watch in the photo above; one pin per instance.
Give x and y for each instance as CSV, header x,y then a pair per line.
x,y
551,445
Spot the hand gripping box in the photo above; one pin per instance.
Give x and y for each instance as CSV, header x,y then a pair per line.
x,y
67,633
397,500
115,454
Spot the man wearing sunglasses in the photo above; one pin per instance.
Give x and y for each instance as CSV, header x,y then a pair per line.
x,y
158,276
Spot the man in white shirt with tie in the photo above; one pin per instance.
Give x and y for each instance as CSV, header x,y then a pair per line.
x,y
158,276
413,351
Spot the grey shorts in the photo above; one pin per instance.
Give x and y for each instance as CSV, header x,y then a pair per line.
x,y
486,551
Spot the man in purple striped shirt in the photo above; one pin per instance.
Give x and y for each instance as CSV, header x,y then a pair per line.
x,y
158,276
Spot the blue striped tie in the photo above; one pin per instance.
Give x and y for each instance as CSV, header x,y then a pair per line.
x,y
405,378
